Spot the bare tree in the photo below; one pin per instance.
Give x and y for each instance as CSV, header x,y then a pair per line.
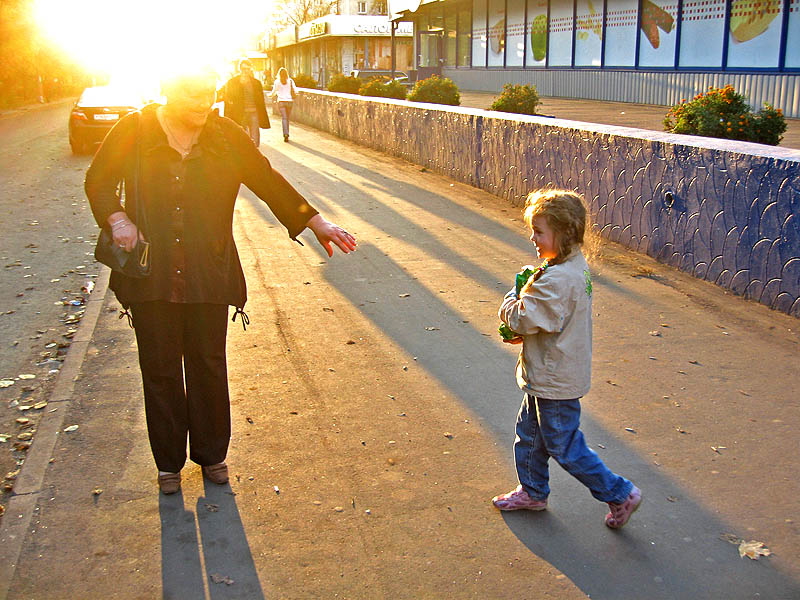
x,y
297,12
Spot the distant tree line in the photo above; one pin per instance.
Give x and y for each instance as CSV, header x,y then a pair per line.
x,y
31,70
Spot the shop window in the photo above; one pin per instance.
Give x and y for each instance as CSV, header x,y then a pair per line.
x,y
793,36
560,44
755,33
464,37
515,33
450,20
620,43
657,42
536,34
362,8
497,33
479,33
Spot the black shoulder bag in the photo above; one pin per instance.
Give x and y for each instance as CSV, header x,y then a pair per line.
x,y
135,263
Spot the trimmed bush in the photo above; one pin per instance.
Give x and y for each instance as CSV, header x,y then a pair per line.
x,y
383,87
519,99
343,84
305,81
437,90
723,113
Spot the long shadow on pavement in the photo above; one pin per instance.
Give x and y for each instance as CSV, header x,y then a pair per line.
x,y
222,548
670,550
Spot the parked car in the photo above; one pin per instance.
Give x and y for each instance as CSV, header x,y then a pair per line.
x,y
96,112
367,74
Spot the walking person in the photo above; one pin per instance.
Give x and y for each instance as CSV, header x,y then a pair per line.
x,y
284,91
552,319
243,96
188,164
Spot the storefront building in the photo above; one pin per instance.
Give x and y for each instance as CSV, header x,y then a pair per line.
x,y
646,51
339,44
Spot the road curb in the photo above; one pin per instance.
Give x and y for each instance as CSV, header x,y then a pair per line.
x,y
28,486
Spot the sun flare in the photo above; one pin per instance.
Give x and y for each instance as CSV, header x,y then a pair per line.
x,y
139,44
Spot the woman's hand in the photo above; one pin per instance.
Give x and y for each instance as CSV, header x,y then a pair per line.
x,y
328,233
123,231
516,340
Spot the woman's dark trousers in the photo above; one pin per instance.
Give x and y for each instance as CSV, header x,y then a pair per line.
x,y
185,379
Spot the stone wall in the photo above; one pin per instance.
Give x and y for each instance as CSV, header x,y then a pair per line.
x,y
727,212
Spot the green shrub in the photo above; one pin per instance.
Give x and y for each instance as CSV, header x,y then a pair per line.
x,y
344,84
723,113
520,99
383,87
305,81
437,90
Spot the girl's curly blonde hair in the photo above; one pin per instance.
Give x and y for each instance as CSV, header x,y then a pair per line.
x,y
565,212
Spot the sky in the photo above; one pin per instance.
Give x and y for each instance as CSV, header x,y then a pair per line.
x,y
139,44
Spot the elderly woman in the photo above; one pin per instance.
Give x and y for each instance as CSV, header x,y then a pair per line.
x,y
188,164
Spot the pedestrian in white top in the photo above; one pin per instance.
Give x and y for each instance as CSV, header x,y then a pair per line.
x,y
552,319
284,92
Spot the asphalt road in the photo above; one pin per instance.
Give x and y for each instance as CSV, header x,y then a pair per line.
x,y
373,408
46,243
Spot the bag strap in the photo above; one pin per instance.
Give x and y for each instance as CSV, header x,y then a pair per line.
x,y
141,216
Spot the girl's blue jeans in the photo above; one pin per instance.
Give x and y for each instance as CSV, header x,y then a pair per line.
x,y
548,428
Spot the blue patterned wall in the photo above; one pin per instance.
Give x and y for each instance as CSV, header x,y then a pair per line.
x,y
727,212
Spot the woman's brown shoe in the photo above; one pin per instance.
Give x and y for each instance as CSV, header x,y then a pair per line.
x,y
169,482
217,473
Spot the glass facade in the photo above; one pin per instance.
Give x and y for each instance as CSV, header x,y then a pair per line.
x,y
641,34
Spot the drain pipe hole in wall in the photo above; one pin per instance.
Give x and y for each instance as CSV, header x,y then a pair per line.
x,y
669,199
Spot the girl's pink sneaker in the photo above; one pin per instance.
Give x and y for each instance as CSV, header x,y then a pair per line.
x,y
518,500
620,513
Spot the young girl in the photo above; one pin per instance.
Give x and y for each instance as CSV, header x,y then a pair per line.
x,y
553,319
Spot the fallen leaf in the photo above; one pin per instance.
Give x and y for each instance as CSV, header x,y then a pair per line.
x,y
212,508
97,492
753,550
71,428
672,498
655,333
630,430
448,435
404,295
326,309
217,578
431,329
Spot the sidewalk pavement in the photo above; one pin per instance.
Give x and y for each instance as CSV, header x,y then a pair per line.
x,y
641,116
373,408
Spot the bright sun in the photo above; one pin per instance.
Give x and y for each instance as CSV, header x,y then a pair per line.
x,y
140,43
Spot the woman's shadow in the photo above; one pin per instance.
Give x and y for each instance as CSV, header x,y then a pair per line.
x,y
205,552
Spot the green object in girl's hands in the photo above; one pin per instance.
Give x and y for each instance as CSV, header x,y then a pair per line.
x,y
522,278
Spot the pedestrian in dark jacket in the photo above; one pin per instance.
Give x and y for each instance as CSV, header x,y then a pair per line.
x,y
244,102
191,163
